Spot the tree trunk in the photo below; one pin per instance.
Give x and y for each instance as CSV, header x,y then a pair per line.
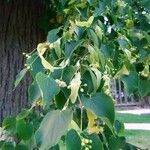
x,y
19,33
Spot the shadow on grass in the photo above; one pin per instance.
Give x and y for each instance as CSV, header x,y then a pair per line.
x,y
139,138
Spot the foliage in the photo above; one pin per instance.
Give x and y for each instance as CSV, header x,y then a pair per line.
x,y
92,42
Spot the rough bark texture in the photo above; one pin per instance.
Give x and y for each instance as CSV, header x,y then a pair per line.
x,y
18,33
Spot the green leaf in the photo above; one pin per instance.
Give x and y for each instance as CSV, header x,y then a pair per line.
x,y
48,86
108,124
145,3
52,127
93,55
90,79
52,35
100,10
7,146
119,127
99,32
71,2
123,43
73,125
23,114
96,142
60,100
94,81
34,92
98,76
70,47
35,64
116,143
130,147
57,74
56,147
101,57
20,76
68,73
144,87
21,147
96,56
9,124
92,35
91,1
131,82
24,130
73,141
100,104
107,50
123,71
62,145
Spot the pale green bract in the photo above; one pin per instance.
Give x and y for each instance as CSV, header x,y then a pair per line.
x,y
85,23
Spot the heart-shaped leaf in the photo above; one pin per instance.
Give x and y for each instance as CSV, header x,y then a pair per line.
x,y
48,86
52,127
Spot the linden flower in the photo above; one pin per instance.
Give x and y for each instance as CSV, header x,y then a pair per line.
x,y
4,136
60,83
39,103
96,130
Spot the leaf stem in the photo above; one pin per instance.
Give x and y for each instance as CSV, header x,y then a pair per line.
x,y
81,108
66,104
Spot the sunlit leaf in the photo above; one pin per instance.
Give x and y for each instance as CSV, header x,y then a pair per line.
x,y
23,114
52,127
93,37
93,55
85,23
98,76
122,71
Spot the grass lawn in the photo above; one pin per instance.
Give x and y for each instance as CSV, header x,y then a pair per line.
x,y
140,138
130,118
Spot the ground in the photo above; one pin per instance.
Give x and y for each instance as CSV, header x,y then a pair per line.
x,y
140,137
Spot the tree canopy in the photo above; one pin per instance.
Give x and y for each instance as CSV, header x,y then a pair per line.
x,y
89,42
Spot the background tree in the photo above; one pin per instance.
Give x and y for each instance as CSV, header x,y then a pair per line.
x,y
19,32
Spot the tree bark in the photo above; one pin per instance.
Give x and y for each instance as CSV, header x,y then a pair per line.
x,y
19,33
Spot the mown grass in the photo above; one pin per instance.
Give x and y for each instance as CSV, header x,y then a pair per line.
x,y
130,118
140,138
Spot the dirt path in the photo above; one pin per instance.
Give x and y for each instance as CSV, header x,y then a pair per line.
x,y
135,112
